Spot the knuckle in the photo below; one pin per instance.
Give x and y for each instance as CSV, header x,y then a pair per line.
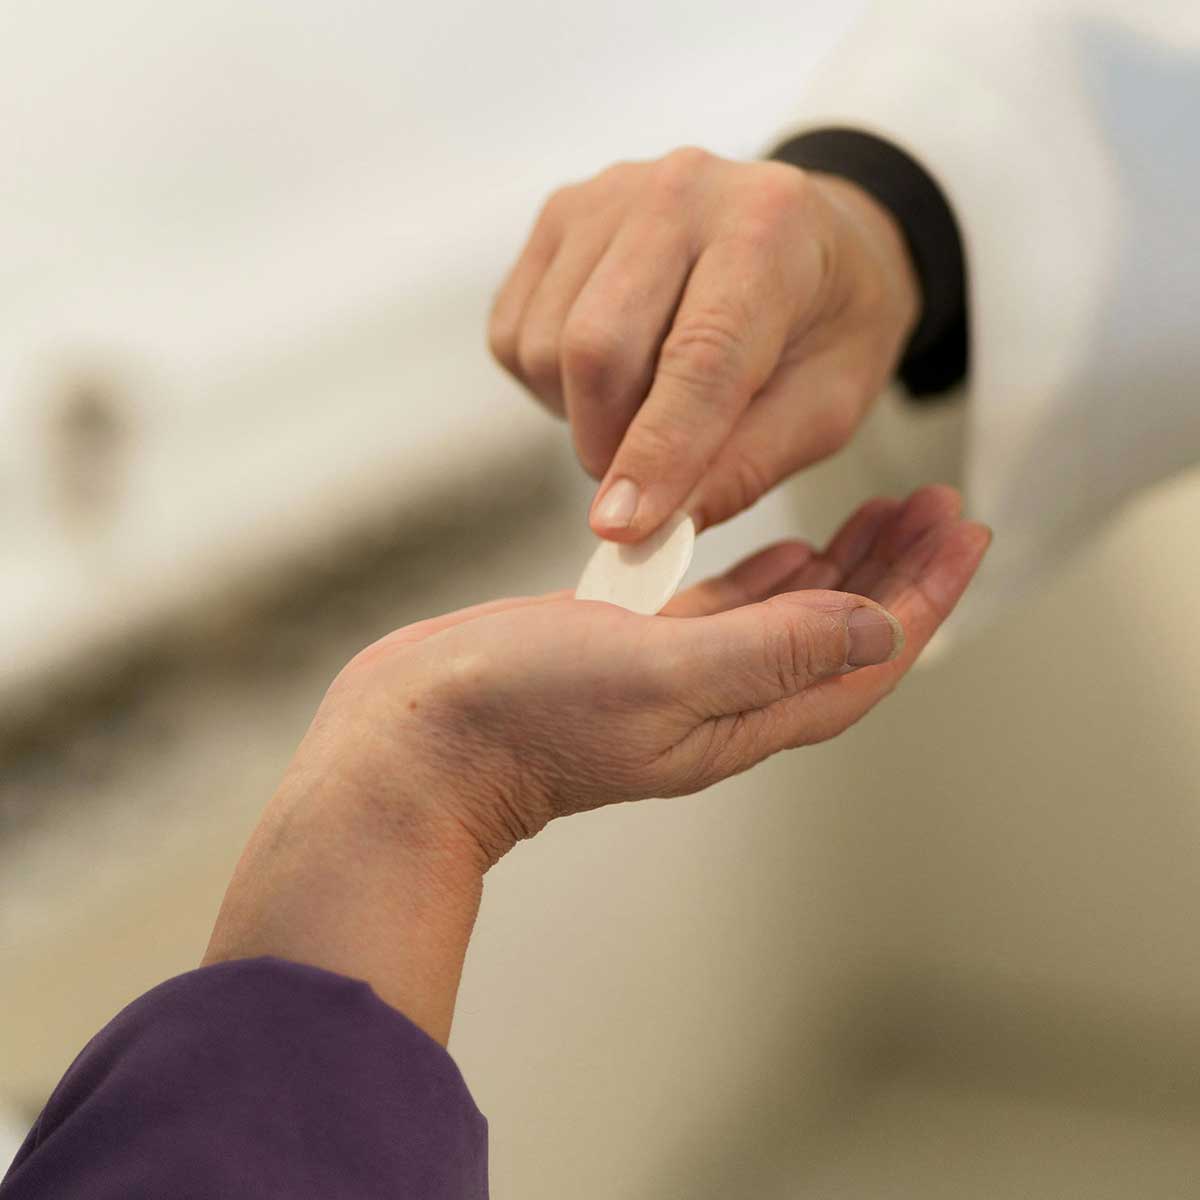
x,y
618,173
689,158
770,208
555,207
794,182
792,648
777,194
675,174
704,348
590,352
653,443
537,360
806,645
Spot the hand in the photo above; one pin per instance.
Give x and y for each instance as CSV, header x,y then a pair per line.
x,y
707,327
442,745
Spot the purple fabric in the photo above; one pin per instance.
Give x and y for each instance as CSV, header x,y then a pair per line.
x,y
256,1079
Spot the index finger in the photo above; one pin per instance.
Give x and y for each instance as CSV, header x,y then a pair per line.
x,y
723,345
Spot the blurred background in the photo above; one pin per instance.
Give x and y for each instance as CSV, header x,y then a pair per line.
x,y
248,424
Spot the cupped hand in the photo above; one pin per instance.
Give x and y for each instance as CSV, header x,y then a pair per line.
x,y
504,716
707,327
442,745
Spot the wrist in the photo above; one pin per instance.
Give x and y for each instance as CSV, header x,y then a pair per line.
x,y
452,760
357,873
874,246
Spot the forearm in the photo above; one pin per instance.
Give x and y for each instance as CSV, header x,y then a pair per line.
x,y
360,878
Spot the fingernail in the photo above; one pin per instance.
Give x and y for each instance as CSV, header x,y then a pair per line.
x,y
875,637
616,508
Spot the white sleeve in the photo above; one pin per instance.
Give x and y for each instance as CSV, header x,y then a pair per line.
x,y
1064,136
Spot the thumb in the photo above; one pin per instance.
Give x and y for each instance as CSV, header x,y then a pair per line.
x,y
752,657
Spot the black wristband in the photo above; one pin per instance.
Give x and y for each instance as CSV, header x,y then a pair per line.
x,y
935,358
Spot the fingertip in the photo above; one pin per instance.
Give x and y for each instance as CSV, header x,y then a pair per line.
x,y
627,519
984,533
614,511
625,535
935,506
952,566
974,538
947,500
930,505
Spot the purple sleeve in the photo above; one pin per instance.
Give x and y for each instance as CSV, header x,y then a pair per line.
x,y
259,1078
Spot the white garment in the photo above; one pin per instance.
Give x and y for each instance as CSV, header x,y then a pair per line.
x,y
269,235
1064,135
277,234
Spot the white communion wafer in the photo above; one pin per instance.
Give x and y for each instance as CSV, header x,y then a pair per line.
x,y
641,577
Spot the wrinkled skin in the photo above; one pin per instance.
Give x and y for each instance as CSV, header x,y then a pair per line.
x,y
707,327
442,745
559,705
